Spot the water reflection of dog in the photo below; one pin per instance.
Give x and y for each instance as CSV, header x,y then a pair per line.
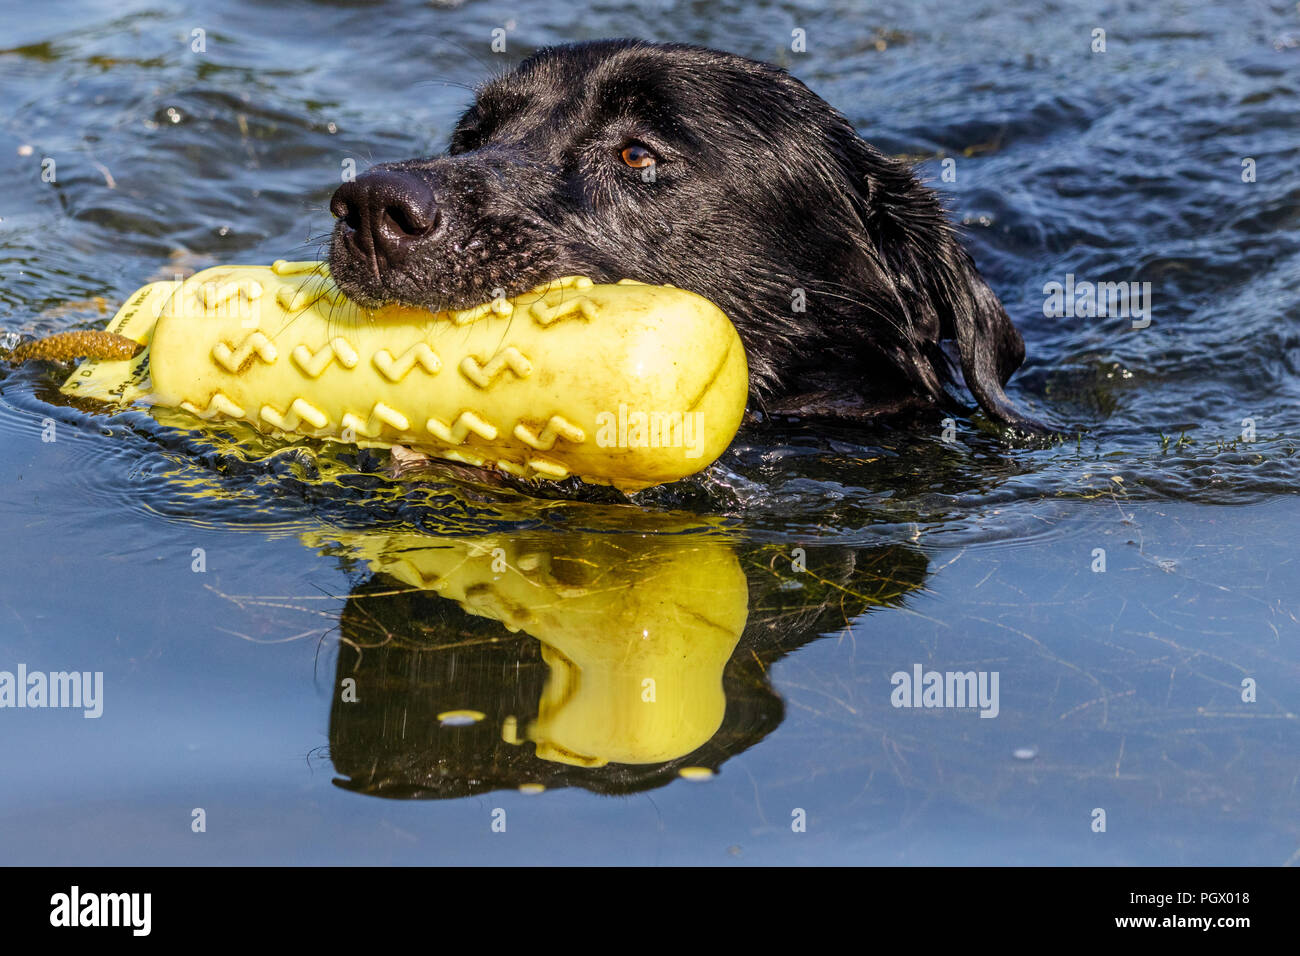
x,y
613,662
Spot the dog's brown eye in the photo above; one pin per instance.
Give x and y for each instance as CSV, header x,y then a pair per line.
x,y
638,156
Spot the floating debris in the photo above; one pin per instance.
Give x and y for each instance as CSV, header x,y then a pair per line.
x,y
460,718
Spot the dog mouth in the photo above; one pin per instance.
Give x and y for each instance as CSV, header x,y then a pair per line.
x,y
360,276
448,276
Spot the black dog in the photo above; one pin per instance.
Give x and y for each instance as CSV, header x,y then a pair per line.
x,y
677,164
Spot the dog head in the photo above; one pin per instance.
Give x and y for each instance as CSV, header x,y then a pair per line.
x,y
673,164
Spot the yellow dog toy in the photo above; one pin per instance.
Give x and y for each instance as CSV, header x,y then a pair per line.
x,y
628,385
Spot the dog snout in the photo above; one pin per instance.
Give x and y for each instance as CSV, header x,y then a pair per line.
x,y
386,212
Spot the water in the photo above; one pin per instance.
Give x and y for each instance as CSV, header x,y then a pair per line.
x,y
822,563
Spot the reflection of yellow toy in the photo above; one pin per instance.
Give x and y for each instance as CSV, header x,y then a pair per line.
x,y
628,385
636,630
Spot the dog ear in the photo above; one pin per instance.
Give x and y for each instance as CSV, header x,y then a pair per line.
x,y
990,347
947,299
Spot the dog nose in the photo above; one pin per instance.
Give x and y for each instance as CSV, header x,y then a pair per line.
x,y
389,210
